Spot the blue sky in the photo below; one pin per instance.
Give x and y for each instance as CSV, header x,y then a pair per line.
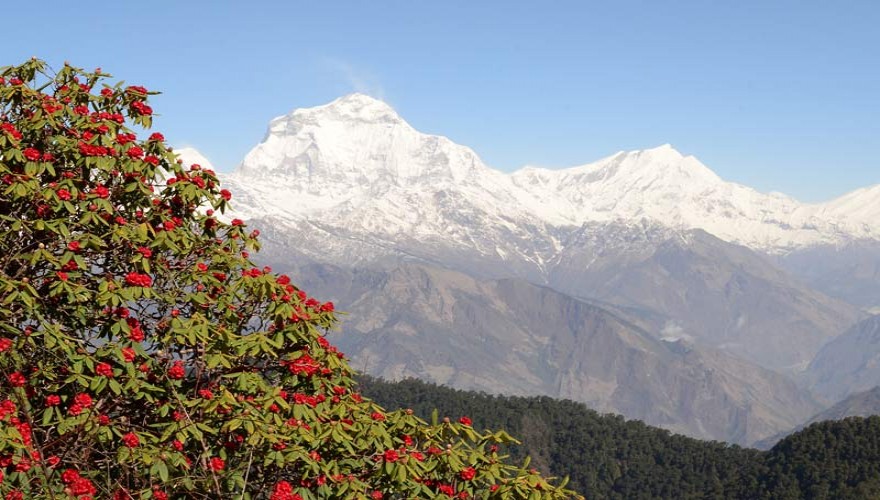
x,y
778,95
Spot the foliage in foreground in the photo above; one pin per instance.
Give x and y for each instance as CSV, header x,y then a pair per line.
x,y
143,355
608,457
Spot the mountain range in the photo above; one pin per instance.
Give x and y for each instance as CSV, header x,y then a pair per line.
x,y
641,284
357,157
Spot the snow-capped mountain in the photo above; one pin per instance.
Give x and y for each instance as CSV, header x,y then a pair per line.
x,y
351,199
192,156
861,206
351,183
356,164
678,191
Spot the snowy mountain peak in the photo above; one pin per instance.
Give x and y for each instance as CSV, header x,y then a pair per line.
x,y
191,156
667,155
663,151
861,205
658,183
356,164
349,152
660,163
353,107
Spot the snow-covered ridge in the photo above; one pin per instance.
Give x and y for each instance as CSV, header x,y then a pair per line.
x,y
355,164
192,156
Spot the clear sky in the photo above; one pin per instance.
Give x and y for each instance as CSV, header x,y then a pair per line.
x,y
778,95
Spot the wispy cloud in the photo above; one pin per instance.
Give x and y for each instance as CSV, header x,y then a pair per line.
x,y
356,78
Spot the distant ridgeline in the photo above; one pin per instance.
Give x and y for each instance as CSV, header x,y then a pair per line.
x,y
608,457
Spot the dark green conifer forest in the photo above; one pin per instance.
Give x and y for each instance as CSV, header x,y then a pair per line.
x,y
608,457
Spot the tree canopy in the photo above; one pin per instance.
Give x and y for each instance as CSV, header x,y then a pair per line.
x,y
144,355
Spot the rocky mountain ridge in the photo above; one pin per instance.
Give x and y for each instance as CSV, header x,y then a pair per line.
x,y
510,336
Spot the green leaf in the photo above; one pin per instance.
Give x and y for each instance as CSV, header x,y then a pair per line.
x,y
163,471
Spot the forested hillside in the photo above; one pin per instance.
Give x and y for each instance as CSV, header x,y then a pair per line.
x,y
608,457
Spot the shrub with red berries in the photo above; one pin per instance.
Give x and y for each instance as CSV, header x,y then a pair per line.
x,y
142,354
